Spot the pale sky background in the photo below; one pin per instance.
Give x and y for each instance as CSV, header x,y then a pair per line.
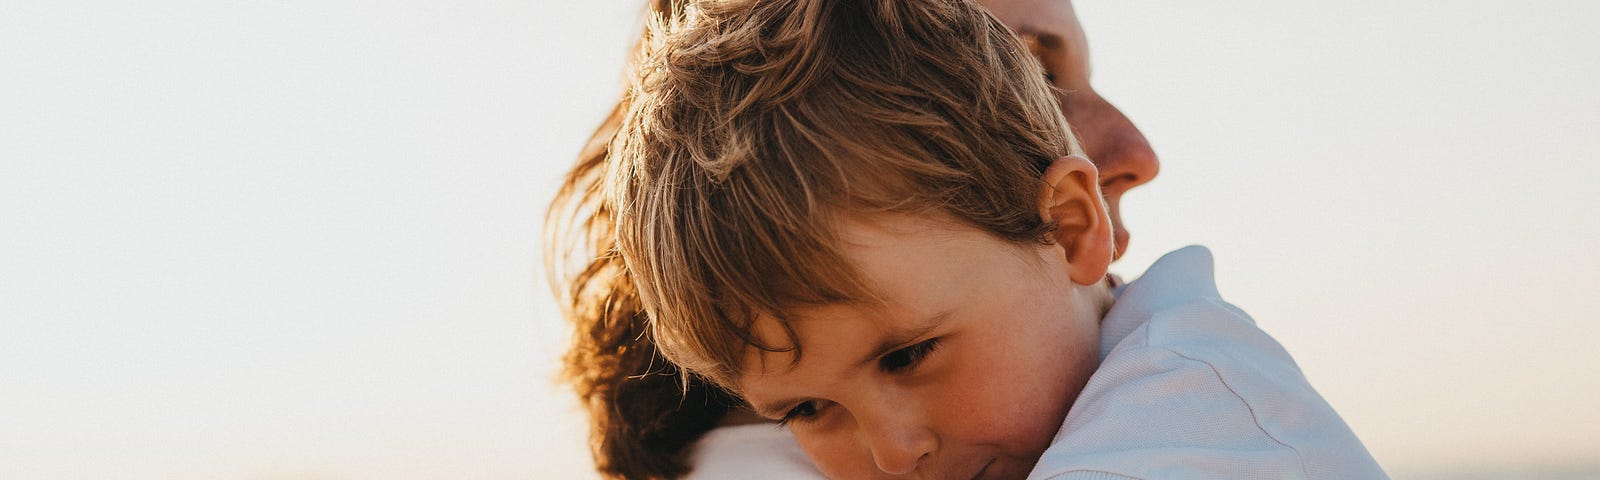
x,y
297,239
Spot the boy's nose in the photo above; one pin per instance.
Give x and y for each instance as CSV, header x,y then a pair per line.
x,y
899,442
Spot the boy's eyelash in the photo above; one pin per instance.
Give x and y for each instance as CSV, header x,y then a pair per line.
x,y
908,357
800,413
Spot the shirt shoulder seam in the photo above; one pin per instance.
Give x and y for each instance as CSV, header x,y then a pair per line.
x,y
1299,459
1059,475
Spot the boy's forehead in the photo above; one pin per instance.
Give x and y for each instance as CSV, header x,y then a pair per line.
x,y
857,230
899,257
910,267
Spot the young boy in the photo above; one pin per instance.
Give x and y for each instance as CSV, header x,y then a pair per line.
x,y
870,220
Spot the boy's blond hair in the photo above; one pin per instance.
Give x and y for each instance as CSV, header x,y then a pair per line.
x,y
754,124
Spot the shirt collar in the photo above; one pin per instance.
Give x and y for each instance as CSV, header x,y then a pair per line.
x,y
1177,278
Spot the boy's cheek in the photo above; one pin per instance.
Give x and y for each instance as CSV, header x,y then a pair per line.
x,y
1044,379
836,456
1013,396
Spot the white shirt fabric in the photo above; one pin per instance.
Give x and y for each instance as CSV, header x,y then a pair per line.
x,y
764,451
1188,388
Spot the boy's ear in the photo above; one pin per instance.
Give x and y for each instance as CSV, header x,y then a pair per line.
x,y
1071,198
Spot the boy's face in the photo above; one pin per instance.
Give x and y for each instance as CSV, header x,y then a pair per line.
x,y
965,369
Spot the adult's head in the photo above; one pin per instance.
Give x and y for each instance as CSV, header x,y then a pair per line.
x,y
781,182
1112,142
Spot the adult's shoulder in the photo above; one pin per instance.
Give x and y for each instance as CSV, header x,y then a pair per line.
x,y
1189,387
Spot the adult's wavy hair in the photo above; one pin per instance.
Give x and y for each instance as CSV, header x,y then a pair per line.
x,y
644,413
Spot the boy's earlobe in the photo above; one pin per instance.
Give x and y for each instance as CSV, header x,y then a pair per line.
x,y
1071,199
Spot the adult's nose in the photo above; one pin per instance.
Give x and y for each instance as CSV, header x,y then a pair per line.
x,y
1122,154
1117,148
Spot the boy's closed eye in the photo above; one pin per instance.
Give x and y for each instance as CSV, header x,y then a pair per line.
x,y
898,361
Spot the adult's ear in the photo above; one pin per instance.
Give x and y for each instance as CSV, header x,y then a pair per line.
x,y
1071,198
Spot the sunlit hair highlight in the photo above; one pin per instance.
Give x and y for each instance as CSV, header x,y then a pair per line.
x,y
752,125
